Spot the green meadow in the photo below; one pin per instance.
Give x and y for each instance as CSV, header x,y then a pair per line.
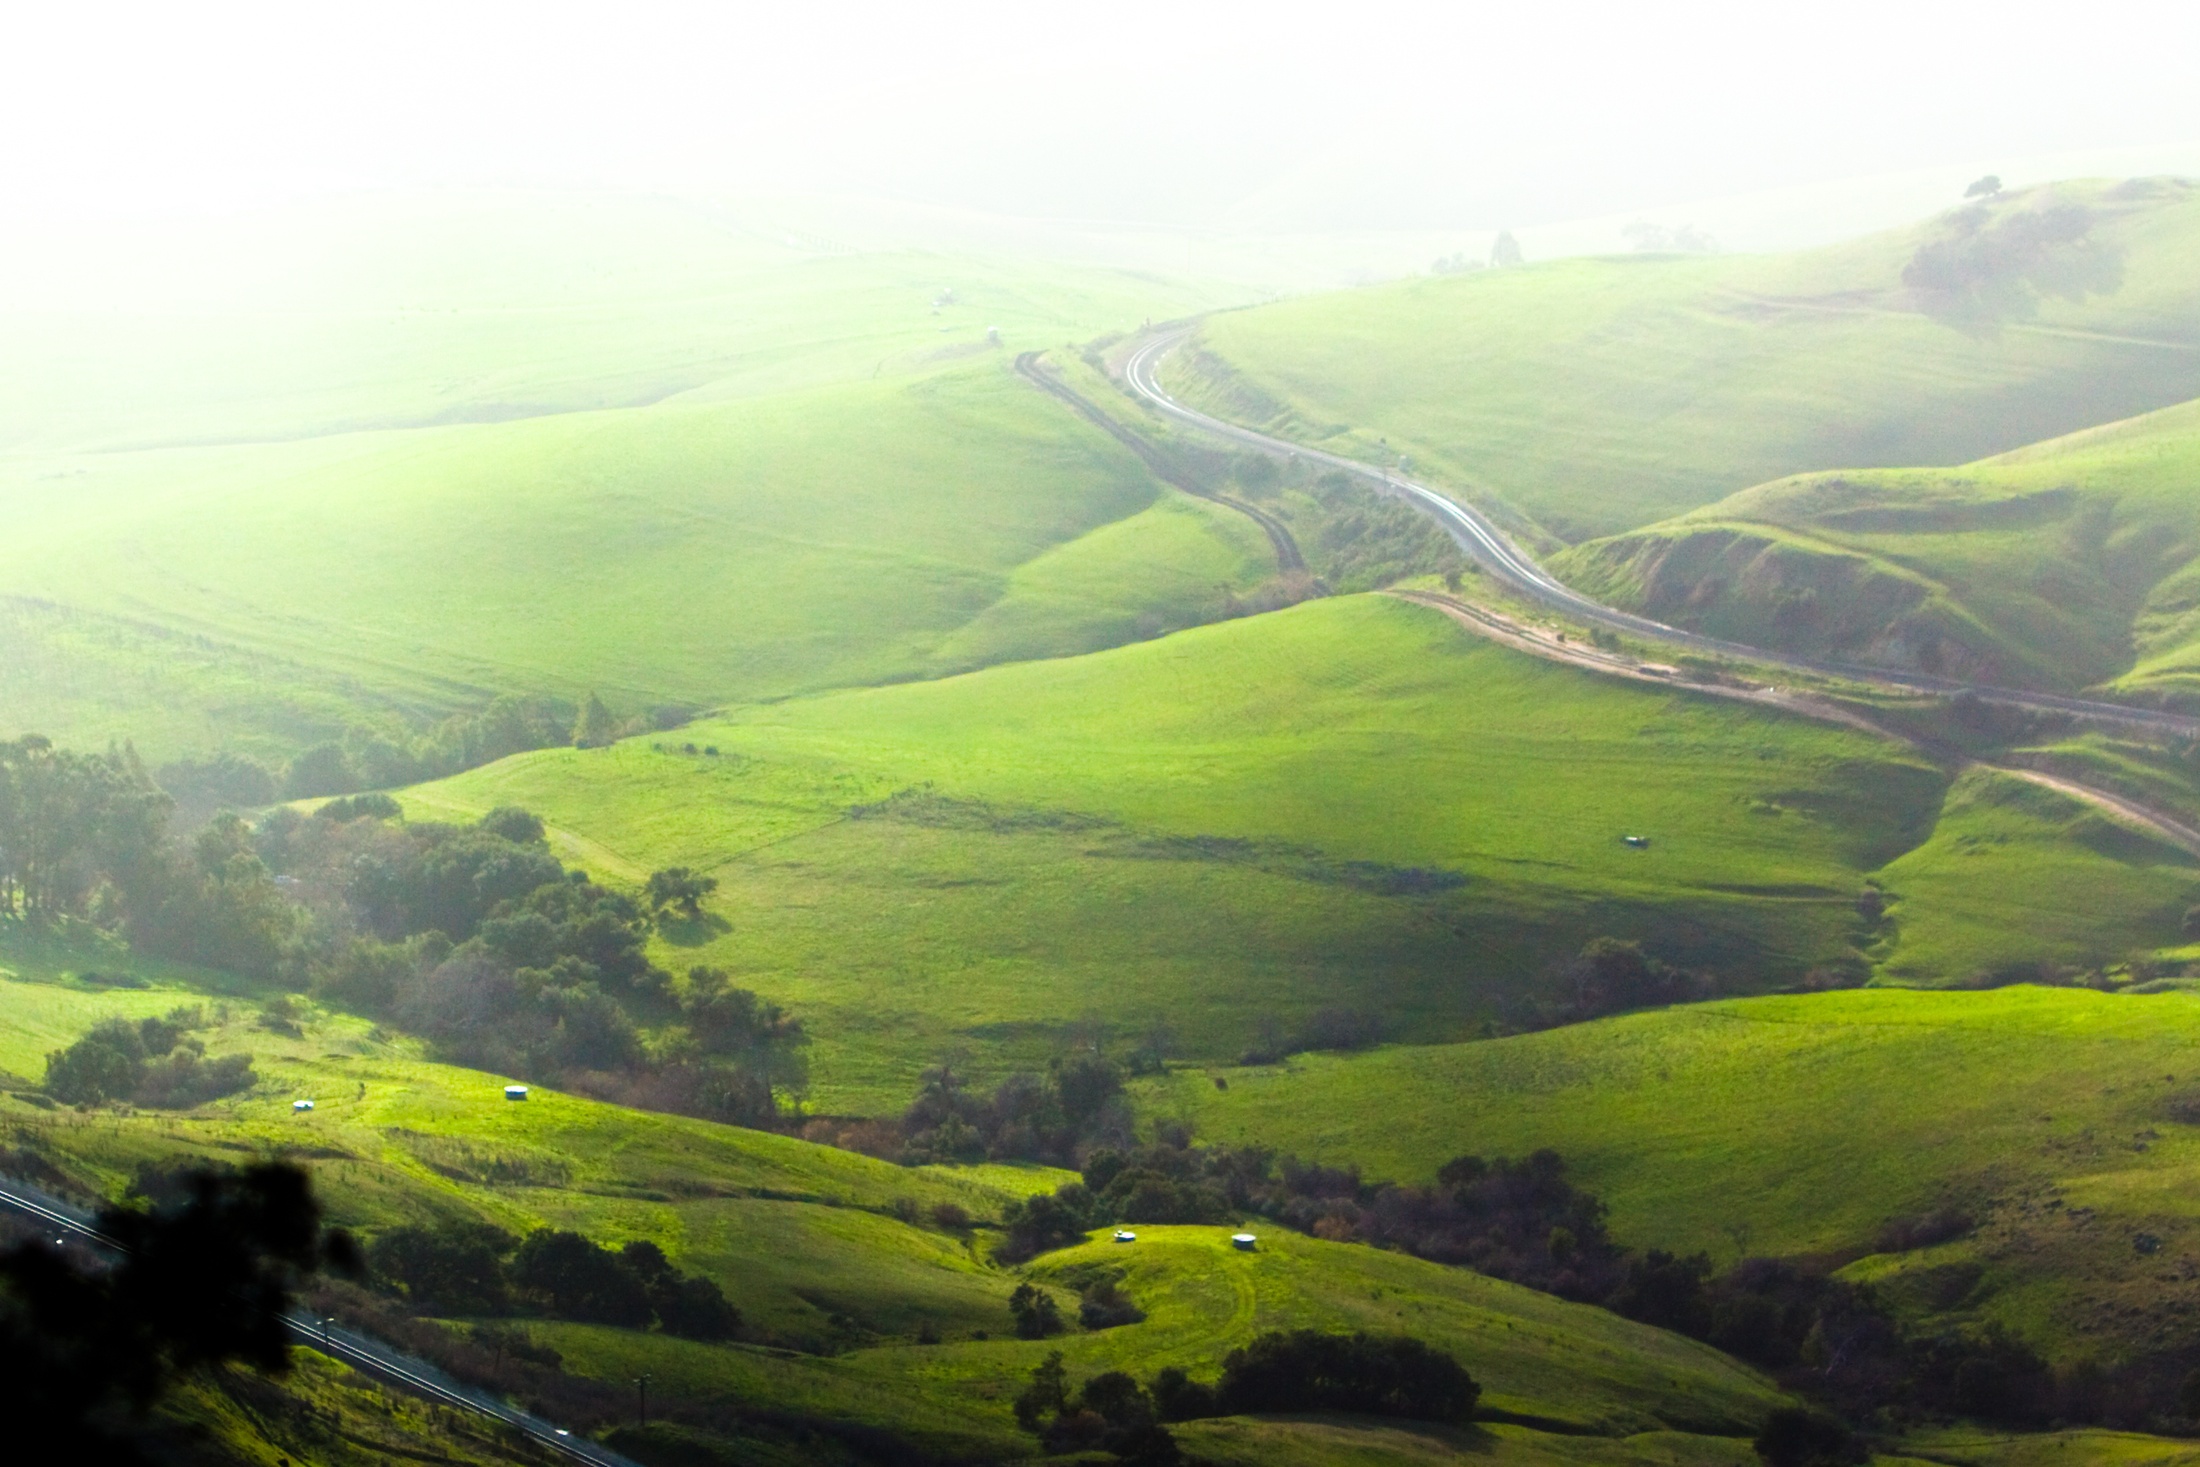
x,y
680,555
1801,1125
839,1293
375,462
1580,1369
2017,880
1347,804
959,705
1591,396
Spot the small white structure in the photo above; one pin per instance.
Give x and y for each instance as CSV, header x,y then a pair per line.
x,y
515,1092
1125,1235
1243,1242
1639,842
301,1105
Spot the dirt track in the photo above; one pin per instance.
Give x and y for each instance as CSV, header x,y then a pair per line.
x,y
1556,647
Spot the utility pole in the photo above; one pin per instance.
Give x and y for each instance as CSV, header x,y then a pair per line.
x,y
641,1402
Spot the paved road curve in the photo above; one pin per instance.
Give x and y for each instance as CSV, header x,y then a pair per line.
x,y
363,1353
1497,554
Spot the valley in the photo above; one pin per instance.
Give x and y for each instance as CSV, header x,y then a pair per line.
x,y
941,845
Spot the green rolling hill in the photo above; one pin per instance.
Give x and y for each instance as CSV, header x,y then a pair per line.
x,y
264,596
857,1308
370,463
1348,804
2065,565
961,708
2060,1120
1585,397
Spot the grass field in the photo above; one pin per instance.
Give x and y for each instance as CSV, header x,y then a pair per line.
x,y
677,555
1348,803
1799,1125
374,461
2017,878
1594,396
1889,1102
947,868
1597,1374
835,1288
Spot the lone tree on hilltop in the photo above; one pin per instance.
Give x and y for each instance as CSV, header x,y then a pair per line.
x,y
1984,188
681,887
1506,251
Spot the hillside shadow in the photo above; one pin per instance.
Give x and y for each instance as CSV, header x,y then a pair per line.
x,y
692,931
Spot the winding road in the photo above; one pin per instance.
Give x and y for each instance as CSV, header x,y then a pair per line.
x,y
1496,553
363,1353
1288,558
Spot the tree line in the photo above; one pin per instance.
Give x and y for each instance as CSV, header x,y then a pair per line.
x,y
474,936
1836,1342
1277,1373
154,1062
482,1270
370,757
480,940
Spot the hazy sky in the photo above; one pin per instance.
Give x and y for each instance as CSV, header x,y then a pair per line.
x,y
1291,116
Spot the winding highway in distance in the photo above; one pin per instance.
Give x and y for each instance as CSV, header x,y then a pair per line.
x,y
363,1353
1495,552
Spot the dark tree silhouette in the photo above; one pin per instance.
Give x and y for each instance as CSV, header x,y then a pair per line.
x,y
203,1281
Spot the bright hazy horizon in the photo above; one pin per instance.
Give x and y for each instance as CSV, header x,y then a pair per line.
x,y
1304,118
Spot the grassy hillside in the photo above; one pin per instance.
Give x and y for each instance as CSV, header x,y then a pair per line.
x,y
2017,881
1593,396
853,1314
258,595
1800,1125
2067,564
1346,804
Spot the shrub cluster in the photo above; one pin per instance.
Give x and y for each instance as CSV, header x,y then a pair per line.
x,y
1035,1313
1987,265
153,1062
1276,1373
1111,1413
1367,1374
1367,540
1611,976
1523,1220
1520,1220
477,938
370,757
481,1270
1050,1117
